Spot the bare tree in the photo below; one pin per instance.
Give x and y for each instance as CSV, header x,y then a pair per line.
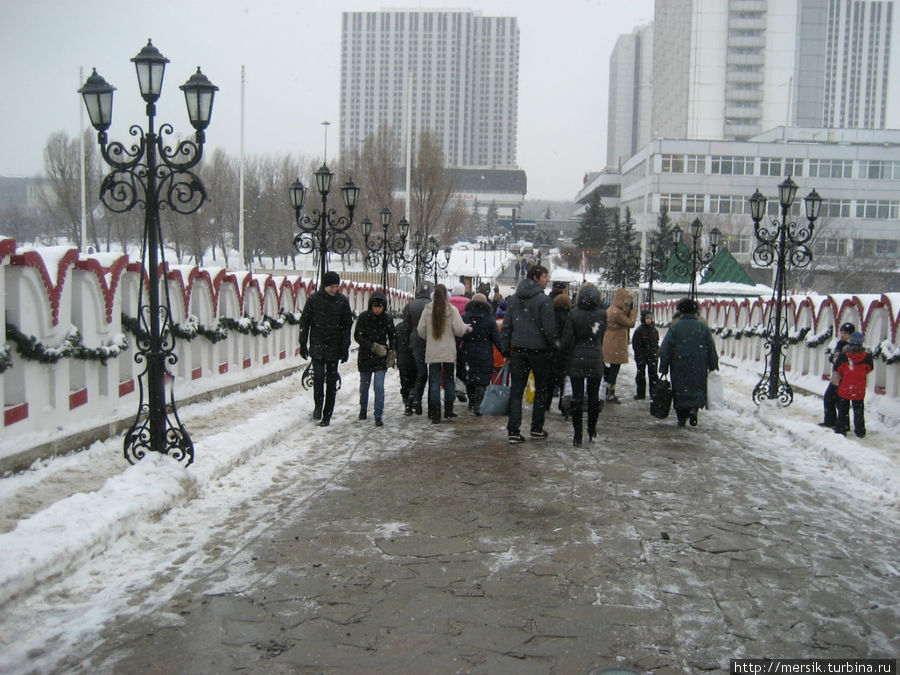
x,y
431,190
62,163
221,178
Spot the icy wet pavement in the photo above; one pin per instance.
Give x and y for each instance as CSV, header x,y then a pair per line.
x,y
450,551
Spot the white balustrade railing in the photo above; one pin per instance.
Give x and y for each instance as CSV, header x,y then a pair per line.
x,y
67,354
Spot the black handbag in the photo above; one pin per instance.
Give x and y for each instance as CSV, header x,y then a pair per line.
x,y
661,399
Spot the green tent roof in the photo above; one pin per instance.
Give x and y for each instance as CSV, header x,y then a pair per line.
x,y
723,268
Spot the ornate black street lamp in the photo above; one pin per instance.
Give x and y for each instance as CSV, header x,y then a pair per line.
x,y
323,232
151,174
696,257
381,249
783,244
423,259
650,270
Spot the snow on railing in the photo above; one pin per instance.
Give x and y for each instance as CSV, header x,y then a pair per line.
x,y
67,354
739,328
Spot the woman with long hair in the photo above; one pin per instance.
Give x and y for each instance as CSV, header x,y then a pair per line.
x,y
439,326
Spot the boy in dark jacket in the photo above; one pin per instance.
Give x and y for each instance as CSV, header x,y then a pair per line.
x,y
325,327
376,337
852,367
645,343
830,398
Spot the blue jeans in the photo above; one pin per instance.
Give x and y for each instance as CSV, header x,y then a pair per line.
x,y
437,372
364,379
520,364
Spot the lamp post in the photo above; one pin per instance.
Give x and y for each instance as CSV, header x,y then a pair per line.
x,y
381,249
783,244
150,174
423,259
696,256
650,269
323,231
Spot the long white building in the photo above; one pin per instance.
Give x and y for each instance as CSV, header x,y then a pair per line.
x,y
461,70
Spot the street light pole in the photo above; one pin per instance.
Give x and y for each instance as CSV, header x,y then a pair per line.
x,y
696,257
151,174
782,243
381,250
323,231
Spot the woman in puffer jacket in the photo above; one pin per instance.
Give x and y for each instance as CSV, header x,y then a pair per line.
x,y
478,345
439,326
582,345
620,318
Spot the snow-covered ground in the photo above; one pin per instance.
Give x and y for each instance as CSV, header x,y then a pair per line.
x,y
87,537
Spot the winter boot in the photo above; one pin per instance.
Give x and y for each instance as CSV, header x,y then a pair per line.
x,y
576,425
448,410
434,413
470,394
408,410
362,413
479,397
611,394
593,414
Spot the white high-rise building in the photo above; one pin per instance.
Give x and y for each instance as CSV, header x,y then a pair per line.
x,y
731,69
460,68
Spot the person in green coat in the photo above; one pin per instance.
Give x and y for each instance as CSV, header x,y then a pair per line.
x,y
688,353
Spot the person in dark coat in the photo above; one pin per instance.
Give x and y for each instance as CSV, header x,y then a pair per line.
x,y
645,342
830,399
376,337
478,345
582,346
528,336
562,305
406,364
411,315
689,352
325,325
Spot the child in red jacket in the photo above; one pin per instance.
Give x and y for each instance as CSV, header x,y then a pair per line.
x,y
852,366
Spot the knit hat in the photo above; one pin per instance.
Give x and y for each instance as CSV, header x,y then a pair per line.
x,y
848,328
560,285
856,339
459,289
480,297
331,279
501,309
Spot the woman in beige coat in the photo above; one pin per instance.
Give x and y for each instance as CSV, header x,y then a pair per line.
x,y
439,326
620,318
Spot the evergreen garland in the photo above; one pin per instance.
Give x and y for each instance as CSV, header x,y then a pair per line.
x,y
72,346
5,359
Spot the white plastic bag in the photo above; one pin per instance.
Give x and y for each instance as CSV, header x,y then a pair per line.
x,y
715,391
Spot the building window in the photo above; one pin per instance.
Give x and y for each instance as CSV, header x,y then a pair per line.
x,y
881,209
673,164
793,167
877,248
738,165
830,247
835,208
830,168
879,169
739,243
695,164
693,203
769,166
672,201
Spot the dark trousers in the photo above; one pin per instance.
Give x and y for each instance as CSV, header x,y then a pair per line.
x,y
830,400
325,377
843,416
593,392
520,364
421,375
612,372
407,382
441,373
640,379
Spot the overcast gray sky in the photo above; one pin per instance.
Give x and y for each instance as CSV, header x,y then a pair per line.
x,y
291,50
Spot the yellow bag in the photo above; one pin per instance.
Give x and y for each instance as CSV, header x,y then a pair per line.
x,y
529,389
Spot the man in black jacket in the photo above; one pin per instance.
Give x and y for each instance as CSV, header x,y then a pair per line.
x,y
529,334
325,323
411,315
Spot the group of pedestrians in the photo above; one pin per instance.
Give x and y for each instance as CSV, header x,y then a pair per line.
x,y
851,364
545,337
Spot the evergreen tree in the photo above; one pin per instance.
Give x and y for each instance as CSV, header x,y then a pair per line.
x,y
662,238
623,253
491,218
593,230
